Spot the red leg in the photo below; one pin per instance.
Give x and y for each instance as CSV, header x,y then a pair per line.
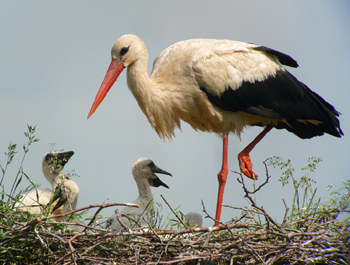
x,y
222,176
245,163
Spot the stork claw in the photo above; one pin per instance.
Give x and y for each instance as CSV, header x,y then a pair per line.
x,y
246,166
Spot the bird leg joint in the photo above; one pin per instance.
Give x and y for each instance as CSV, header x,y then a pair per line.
x,y
222,176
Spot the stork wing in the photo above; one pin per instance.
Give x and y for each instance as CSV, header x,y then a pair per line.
x,y
254,81
246,78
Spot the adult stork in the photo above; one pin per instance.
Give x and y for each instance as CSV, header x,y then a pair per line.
x,y
219,86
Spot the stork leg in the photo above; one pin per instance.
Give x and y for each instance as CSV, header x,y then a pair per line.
x,y
222,176
245,163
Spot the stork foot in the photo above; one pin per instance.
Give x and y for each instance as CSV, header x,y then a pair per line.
x,y
246,165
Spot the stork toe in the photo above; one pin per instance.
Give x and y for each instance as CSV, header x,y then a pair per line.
x,y
246,166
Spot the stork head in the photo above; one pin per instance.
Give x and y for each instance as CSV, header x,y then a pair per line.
x,y
145,168
126,50
53,163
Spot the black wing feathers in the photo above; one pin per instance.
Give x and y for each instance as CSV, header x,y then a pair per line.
x,y
282,97
281,57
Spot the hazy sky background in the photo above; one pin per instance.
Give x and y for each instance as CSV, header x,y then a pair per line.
x,y
53,58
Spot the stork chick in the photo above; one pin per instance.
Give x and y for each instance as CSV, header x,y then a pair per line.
x,y
194,219
143,171
64,193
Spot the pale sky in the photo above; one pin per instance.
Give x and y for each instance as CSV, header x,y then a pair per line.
x,y
54,56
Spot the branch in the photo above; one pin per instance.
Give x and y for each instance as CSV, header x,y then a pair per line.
x,y
285,214
178,217
247,192
93,219
95,206
216,221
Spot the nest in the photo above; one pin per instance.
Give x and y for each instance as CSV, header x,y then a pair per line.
x,y
316,237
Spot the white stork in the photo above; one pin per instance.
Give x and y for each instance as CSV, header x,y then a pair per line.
x,y
219,86
64,193
143,171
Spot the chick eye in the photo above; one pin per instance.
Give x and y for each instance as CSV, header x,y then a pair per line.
x,y
151,164
124,50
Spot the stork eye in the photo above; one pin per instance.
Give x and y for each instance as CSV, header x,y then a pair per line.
x,y
51,158
124,50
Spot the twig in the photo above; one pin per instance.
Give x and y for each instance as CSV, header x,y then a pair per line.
x,y
243,209
90,248
262,185
254,204
120,221
53,235
97,215
173,211
93,219
180,232
74,226
41,240
95,206
150,228
209,216
31,225
253,251
285,214
180,260
72,248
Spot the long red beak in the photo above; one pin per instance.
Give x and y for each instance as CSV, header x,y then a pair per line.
x,y
112,74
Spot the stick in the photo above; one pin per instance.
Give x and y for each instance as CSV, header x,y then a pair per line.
x,y
174,212
95,206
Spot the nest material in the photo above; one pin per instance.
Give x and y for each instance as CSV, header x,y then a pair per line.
x,y
314,237
236,243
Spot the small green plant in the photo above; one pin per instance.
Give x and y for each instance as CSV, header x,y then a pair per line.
x,y
10,155
8,217
303,187
169,222
340,200
305,204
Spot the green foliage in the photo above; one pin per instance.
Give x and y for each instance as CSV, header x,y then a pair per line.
x,y
309,206
340,199
10,155
158,221
304,193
